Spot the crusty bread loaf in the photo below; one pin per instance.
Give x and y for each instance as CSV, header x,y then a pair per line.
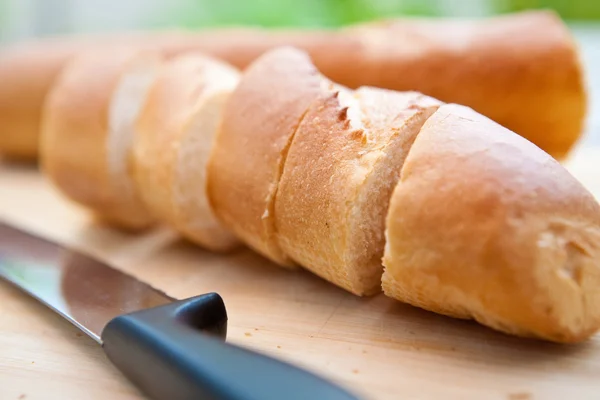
x,y
472,220
485,225
88,128
173,141
259,123
533,85
339,174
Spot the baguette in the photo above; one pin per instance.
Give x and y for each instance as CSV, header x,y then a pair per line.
x,y
533,85
468,219
172,144
88,127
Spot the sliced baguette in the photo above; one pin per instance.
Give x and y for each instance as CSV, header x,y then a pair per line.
x,y
174,137
249,152
485,225
87,132
481,223
340,171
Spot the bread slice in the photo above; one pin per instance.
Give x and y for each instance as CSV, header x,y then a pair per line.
x,y
259,122
485,225
340,171
174,137
88,129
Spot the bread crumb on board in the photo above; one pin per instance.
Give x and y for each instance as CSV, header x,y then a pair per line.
x,y
247,334
520,396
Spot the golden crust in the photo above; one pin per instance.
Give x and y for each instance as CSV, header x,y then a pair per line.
x,y
172,145
485,225
259,122
340,171
77,150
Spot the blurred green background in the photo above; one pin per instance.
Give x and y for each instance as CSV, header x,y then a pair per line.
x,y
27,18
331,13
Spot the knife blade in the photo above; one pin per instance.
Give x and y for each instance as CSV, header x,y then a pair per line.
x,y
170,349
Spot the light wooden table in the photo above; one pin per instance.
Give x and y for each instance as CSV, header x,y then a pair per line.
x,y
379,347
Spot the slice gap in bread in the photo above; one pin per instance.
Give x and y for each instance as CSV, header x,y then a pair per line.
x,y
260,119
190,189
269,215
125,106
368,211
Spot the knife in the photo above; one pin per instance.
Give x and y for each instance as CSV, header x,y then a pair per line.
x,y
169,349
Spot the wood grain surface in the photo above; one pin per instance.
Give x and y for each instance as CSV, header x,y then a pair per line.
x,y
378,347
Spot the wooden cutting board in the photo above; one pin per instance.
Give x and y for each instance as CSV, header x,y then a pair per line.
x,y
378,347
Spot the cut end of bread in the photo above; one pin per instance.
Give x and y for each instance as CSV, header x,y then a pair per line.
x,y
125,106
195,216
259,122
366,239
173,141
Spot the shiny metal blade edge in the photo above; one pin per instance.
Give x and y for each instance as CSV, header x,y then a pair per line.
x,y
85,291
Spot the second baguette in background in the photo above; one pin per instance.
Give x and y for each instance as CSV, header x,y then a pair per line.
x,y
522,70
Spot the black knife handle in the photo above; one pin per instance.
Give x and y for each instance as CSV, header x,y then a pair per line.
x,y
177,352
